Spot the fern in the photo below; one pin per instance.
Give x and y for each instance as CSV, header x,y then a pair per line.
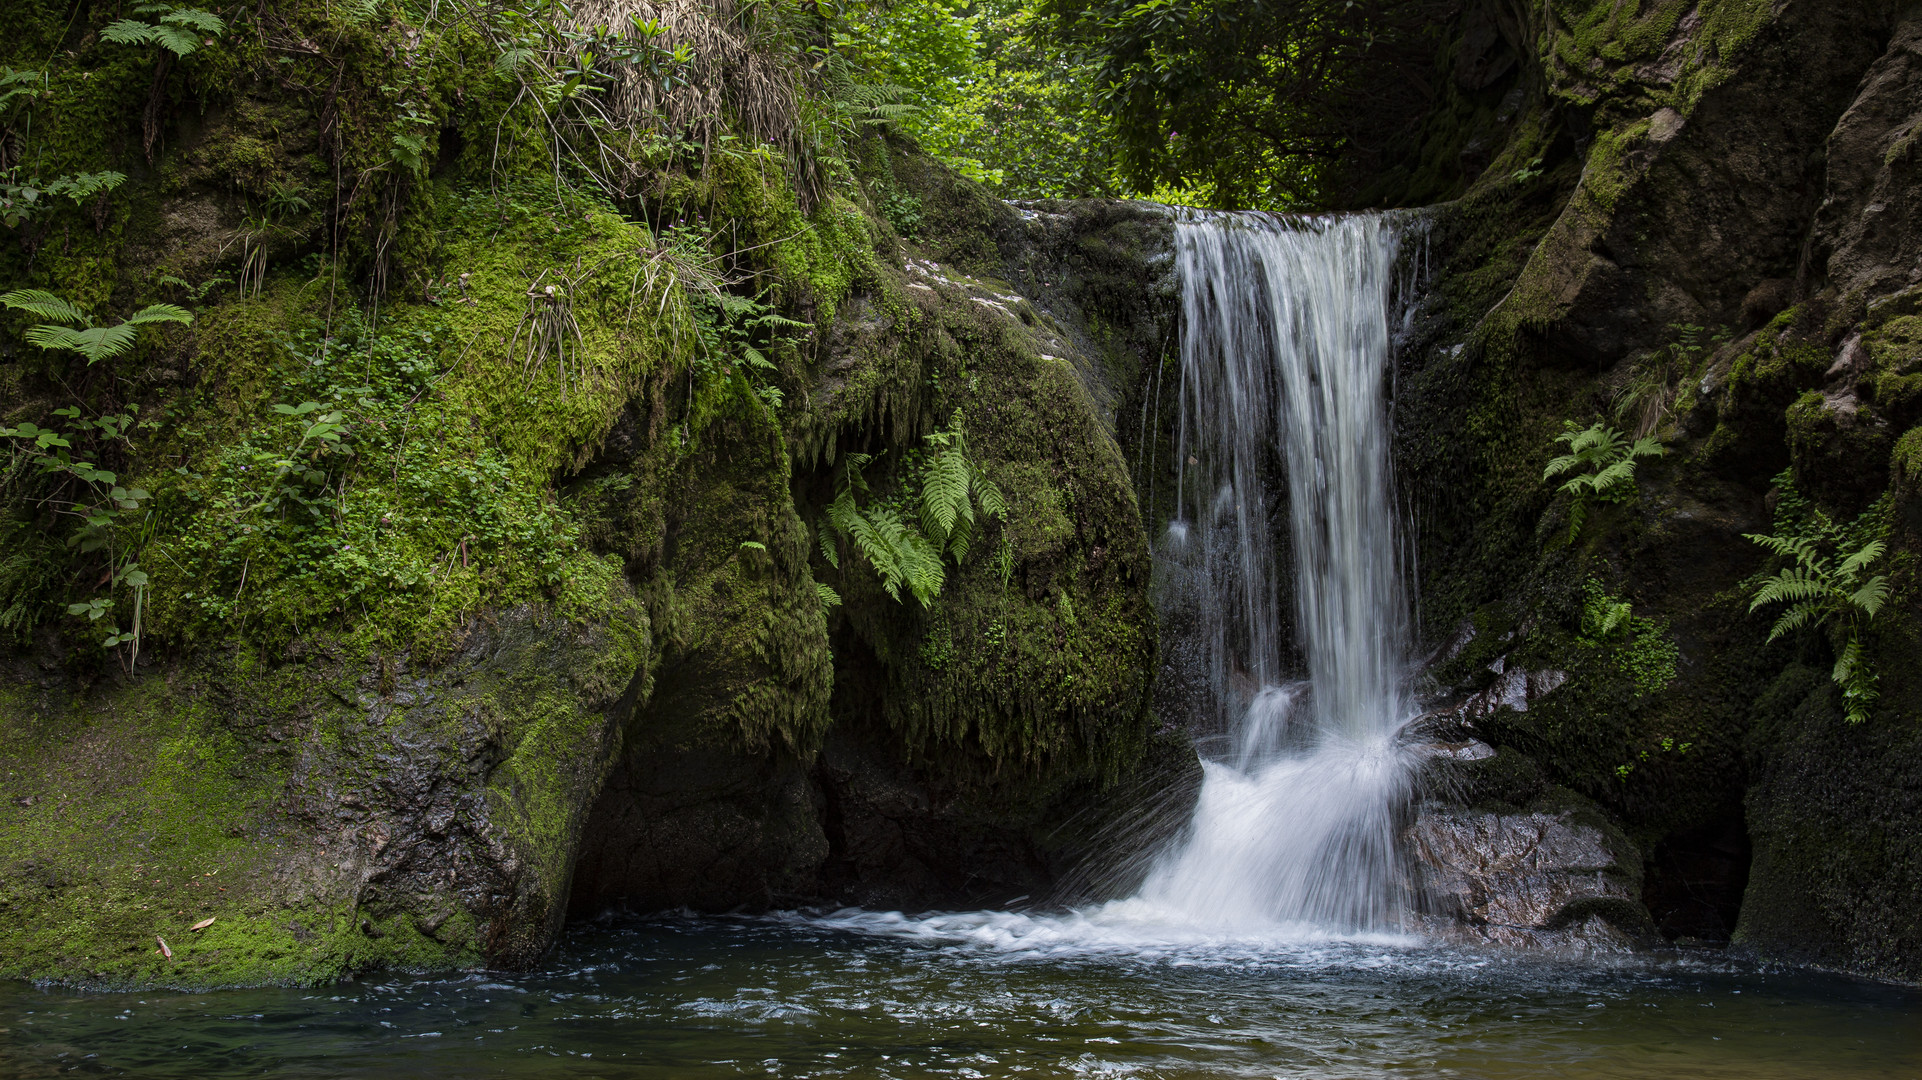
x,y
179,30
44,304
1826,585
96,343
909,550
1642,648
1603,460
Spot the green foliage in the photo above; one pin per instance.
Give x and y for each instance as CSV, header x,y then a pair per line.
x,y
368,503
1641,648
20,197
96,343
737,338
178,30
906,541
65,460
1603,460
998,101
1826,584
1243,103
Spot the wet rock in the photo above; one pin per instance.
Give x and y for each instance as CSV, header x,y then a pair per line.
x,y
1537,879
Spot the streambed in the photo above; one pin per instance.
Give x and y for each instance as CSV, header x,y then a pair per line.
x,y
1104,994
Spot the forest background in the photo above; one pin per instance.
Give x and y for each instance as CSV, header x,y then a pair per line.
x,y
1219,103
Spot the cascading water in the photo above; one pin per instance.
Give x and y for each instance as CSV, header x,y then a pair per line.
x,y
1284,353
1284,356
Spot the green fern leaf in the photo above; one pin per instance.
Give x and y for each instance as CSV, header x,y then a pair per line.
x,y
944,494
1560,465
1860,560
1871,596
829,551
205,22
993,504
156,313
130,32
44,304
1793,619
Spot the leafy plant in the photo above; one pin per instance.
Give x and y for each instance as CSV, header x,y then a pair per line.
x,y
178,30
1643,648
906,544
1603,460
96,343
83,490
1827,585
20,198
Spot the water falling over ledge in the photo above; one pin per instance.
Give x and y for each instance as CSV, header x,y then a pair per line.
x,y
1283,607
1285,352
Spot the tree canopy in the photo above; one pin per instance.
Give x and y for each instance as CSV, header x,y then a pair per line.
x,y
1266,103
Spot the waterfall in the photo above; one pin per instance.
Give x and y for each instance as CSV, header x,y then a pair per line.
x,y
1284,502
1284,358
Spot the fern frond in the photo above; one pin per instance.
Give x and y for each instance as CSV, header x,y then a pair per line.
x,y
204,21
44,304
993,504
175,40
1860,560
944,494
1795,618
1801,549
1647,446
1560,465
130,32
99,343
852,467
1795,585
920,567
961,540
156,313
1871,596
829,551
829,598
1608,479
510,60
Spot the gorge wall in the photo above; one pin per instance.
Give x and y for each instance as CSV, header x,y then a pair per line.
x,y
518,653
1703,209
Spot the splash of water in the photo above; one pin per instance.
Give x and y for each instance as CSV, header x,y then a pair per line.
x,y
1284,356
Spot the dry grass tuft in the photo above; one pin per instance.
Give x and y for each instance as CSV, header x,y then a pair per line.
x,y
732,72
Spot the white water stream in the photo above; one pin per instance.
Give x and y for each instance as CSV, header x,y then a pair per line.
x,y
1284,356
1285,350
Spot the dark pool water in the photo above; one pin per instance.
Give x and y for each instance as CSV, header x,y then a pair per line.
x,y
993,995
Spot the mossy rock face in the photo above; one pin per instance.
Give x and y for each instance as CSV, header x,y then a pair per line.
x,y
1699,130
567,513
1835,444
1833,811
330,813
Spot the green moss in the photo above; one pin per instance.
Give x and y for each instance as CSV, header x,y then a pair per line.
x,y
232,789
1601,49
1906,460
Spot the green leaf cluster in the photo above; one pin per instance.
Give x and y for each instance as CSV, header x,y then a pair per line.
x,y
1642,648
906,542
1603,461
79,335
178,30
1826,584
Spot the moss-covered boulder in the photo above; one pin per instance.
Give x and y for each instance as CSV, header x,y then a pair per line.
x,y
323,813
